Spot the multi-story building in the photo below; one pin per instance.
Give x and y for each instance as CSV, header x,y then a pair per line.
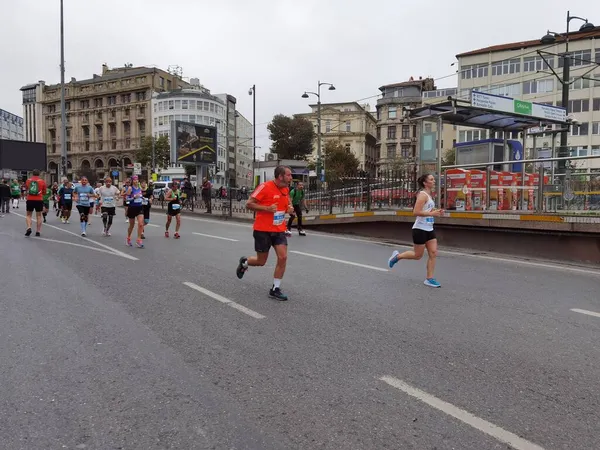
x,y
33,117
107,115
11,126
517,70
398,136
352,125
194,104
244,151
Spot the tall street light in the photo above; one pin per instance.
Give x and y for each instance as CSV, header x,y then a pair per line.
x,y
549,39
63,114
318,95
252,92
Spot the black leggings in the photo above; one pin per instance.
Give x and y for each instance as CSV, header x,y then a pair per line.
x,y
107,220
84,212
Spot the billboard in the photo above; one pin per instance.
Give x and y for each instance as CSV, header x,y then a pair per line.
x,y
194,143
22,155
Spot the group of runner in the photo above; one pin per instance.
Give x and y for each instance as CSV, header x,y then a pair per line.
x,y
271,201
137,202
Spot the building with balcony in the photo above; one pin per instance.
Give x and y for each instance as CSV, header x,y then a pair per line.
x,y
244,151
397,136
517,70
352,125
11,126
106,117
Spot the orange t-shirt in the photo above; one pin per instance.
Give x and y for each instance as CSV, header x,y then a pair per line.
x,y
268,194
41,189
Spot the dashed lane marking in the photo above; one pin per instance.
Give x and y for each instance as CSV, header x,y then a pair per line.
x,y
224,300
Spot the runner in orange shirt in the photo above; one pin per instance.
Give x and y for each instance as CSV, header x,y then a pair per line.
x,y
271,202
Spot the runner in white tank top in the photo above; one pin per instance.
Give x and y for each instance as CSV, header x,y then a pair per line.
x,y
422,230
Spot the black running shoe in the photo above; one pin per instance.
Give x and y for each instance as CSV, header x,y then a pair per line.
x,y
37,233
28,232
276,293
242,267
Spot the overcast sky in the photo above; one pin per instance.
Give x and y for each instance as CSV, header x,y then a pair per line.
x,y
282,46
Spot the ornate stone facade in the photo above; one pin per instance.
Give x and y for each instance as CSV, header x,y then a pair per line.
x,y
107,116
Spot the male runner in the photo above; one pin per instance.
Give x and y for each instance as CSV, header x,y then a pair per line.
x,y
271,202
135,212
4,198
35,188
422,232
15,191
84,194
173,196
65,195
108,196
46,202
297,197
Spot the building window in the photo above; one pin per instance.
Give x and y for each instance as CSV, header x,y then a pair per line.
x,y
580,83
177,104
428,128
125,98
378,132
392,112
580,129
348,147
391,132
391,151
405,131
406,151
184,104
327,126
348,126
112,100
162,82
140,96
506,67
535,63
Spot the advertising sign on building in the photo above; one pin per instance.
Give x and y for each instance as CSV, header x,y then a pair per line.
x,y
194,143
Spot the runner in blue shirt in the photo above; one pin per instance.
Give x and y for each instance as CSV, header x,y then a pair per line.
x,y
84,195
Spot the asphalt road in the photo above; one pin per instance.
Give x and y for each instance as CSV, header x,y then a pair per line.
x,y
110,347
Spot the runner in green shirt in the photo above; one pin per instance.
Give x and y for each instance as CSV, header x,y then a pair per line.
x,y
46,202
297,199
15,192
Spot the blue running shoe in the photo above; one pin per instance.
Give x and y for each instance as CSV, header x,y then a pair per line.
x,y
393,260
432,282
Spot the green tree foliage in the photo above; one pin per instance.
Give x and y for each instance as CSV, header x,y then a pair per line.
x,y
292,137
449,157
162,152
339,162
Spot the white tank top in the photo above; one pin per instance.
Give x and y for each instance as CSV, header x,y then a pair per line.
x,y
425,223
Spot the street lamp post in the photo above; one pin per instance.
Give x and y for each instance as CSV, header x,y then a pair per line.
x,y
549,39
63,113
318,95
252,92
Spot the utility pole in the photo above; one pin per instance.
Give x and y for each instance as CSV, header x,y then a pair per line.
x,y
63,113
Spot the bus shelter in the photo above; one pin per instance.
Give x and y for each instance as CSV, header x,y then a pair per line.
x,y
489,112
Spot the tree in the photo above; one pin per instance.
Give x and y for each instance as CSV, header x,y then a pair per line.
x,y
162,152
449,157
339,162
292,137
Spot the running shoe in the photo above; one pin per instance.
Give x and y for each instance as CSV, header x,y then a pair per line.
x,y
176,236
139,243
393,259
37,233
432,282
128,242
242,267
278,294
28,232
166,234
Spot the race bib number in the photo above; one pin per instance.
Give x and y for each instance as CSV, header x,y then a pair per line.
x,y
144,201
108,199
137,201
67,196
278,217
429,219
84,197
176,206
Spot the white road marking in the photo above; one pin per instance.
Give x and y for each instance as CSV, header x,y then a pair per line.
x,y
585,311
74,244
152,225
464,416
342,261
113,250
224,300
215,237
220,222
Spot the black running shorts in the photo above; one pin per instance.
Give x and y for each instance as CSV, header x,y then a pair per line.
x,y
264,240
34,205
421,237
134,211
108,210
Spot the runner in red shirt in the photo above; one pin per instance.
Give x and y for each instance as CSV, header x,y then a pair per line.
x,y
35,189
271,202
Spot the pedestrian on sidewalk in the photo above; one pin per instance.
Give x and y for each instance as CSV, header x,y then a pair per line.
x,y
5,195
